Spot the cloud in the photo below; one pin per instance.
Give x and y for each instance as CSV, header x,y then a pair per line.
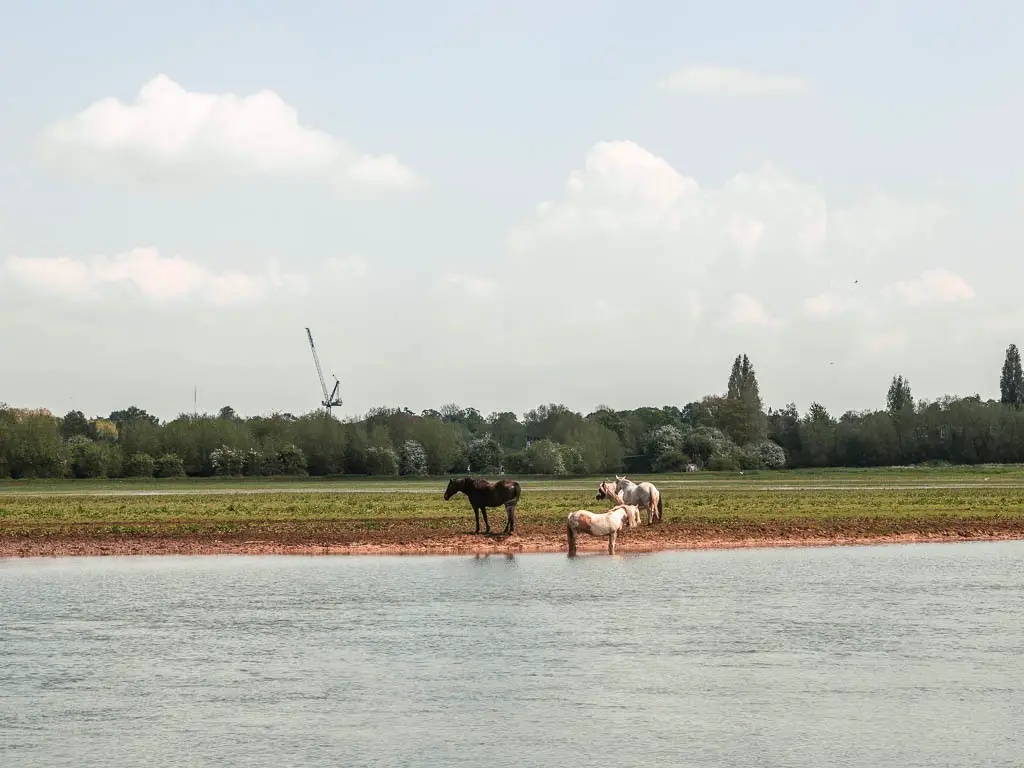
x,y
346,269
171,134
933,286
625,195
478,287
155,278
831,304
746,310
878,222
888,341
710,79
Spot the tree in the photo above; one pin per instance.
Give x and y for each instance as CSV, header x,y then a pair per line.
x,y
133,415
227,412
75,424
485,455
741,413
413,459
1011,383
899,398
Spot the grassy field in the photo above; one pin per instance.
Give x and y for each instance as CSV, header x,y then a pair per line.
x,y
821,503
841,477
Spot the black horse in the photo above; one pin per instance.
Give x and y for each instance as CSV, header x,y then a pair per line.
x,y
483,494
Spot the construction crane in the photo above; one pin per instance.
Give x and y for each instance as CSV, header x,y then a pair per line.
x,y
330,400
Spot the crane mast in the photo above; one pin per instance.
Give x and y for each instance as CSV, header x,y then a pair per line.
x,y
332,399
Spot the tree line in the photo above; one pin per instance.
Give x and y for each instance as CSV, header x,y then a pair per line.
x,y
727,431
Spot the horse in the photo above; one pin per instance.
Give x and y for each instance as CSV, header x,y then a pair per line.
x,y
483,494
627,492
600,524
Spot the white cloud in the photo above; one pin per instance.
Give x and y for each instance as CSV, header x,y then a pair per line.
x,y
888,341
746,310
878,223
710,79
933,286
832,303
622,187
170,133
346,269
159,279
626,194
625,191
478,287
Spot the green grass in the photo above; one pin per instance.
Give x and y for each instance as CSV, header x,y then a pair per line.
x,y
820,502
850,509
998,474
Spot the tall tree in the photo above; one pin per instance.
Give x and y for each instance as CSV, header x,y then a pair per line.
x,y
1011,383
75,423
742,414
899,398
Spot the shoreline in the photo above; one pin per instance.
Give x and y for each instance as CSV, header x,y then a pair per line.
x,y
457,544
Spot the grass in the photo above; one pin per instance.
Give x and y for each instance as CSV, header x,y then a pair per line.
x,y
918,475
855,504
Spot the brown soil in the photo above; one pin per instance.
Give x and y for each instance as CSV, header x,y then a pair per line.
x,y
411,539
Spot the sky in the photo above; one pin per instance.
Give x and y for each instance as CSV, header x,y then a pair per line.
x,y
506,204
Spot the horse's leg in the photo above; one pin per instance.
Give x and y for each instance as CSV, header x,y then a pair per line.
x,y
571,536
611,543
510,514
476,514
487,525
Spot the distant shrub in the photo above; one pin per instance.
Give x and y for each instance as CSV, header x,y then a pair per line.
x,y
769,453
139,465
674,460
170,465
485,455
722,462
91,459
292,460
381,461
544,457
227,461
572,460
413,459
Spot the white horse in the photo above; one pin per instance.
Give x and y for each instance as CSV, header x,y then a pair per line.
x,y
600,524
627,492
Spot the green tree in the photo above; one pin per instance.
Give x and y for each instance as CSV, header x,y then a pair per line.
x,y
507,430
139,465
485,455
75,424
414,458
899,398
1011,382
133,415
742,415
817,436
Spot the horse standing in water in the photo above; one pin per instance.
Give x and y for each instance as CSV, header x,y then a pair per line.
x,y
625,491
483,494
600,524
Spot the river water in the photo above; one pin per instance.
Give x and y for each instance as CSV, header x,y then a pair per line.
x,y
904,656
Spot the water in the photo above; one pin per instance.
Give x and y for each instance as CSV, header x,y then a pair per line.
x,y
875,656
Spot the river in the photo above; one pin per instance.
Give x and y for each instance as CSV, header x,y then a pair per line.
x,y
899,655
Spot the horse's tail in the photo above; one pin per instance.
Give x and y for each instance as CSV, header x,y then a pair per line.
x,y
570,535
517,490
659,506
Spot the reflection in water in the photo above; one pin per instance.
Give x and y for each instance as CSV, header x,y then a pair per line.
x,y
869,656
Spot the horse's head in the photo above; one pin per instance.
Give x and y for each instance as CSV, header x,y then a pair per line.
x,y
605,491
454,486
621,483
629,516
